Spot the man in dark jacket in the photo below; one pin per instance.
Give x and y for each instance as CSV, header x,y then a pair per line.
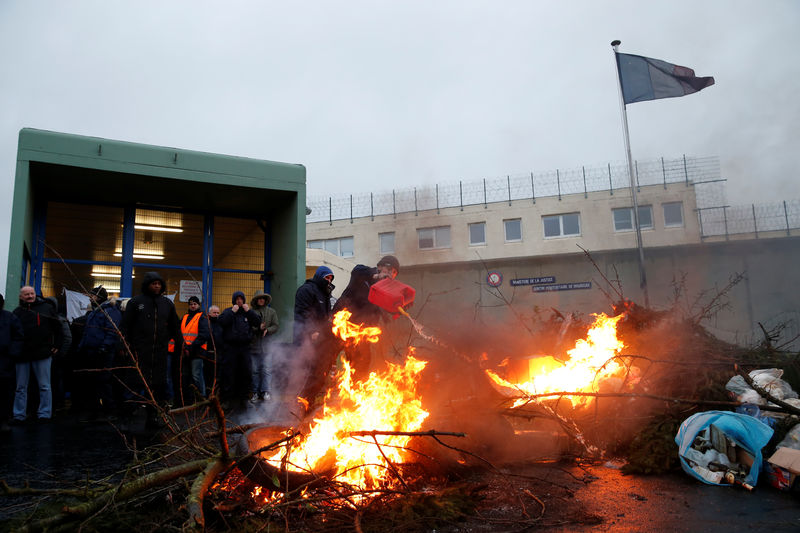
x,y
238,324
42,339
312,306
355,298
98,347
11,339
149,323
312,331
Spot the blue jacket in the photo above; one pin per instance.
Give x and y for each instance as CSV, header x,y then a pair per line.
x,y
101,330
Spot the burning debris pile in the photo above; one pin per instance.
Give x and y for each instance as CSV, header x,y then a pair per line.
x,y
401,447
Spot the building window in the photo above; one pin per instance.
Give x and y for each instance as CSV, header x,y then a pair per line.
x,y
623,218
387,242
343,246
566,225
477,233
513,229
673,214
430,238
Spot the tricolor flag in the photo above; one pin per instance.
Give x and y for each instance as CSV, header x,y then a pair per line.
x,y
645,78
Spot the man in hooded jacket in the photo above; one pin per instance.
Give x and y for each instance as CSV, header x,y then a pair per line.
x,y
238,323
98,347
312,331
260,346
42,339
149,323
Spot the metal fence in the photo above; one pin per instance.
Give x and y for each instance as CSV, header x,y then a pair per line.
x,y
530,186
730,220
716,218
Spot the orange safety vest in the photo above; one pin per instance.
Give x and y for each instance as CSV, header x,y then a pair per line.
x,y
189,330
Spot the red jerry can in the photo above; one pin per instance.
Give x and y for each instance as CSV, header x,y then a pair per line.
x,y
389,294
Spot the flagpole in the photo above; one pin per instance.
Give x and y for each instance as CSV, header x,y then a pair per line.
x,y
642,275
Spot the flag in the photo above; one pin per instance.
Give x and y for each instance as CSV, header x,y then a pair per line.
x,y
644,78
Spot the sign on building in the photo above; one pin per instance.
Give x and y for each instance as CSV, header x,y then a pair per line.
x,y
533,281
189,288
563,286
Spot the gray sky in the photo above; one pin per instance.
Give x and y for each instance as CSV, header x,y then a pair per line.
x,y
374,95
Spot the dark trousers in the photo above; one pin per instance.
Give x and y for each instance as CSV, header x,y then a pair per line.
x,y
235,372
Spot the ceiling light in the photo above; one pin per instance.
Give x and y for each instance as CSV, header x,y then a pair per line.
x,y
105,275
142,256
170,229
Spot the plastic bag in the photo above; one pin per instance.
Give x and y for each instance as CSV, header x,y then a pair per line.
x,y
792,439
746,431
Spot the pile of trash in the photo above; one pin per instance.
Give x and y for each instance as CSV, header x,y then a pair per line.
x,y
725,448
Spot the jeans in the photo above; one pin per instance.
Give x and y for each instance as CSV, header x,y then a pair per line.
x,y
262,366
41,370
198,375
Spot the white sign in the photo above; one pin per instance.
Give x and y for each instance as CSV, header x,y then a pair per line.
x,y
189,288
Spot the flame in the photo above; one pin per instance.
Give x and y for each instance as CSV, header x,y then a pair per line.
x,y
386,401
346,330
592,361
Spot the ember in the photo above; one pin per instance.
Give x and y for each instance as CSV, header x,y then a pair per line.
x,y
592,363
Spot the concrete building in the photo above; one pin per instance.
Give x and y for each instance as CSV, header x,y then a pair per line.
x,y
90,211
507,256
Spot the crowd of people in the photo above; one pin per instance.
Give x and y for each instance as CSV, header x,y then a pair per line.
x,y
125,354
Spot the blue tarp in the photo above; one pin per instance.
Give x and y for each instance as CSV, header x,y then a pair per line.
x,y
747,431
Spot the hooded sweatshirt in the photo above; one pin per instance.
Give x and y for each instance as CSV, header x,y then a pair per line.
x,y
312,304
237,327
268,315
150,320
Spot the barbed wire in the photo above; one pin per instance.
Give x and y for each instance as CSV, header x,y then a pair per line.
x,y
715,216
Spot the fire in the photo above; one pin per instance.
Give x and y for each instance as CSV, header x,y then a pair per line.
x,y
385,402
591,362
346,330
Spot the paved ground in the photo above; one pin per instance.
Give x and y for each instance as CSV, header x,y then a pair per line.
x,y
595,498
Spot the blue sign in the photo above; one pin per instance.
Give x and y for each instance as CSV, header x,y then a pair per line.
x,y
533,281
563,286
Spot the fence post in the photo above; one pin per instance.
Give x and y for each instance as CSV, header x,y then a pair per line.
x,y
416,213
394,207
558,182
725,219
437,198
636,171
755,221
371,208
484,193
508,182
460,195
533,189
351,208
610,185
786,216
685,170
585,191
330,211
700,219
664,172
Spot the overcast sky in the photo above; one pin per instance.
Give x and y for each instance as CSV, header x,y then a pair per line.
x,y
374,95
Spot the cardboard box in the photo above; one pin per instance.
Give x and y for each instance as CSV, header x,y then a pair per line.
x,y
783,468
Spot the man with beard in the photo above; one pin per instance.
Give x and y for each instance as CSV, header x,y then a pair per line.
x,y
149,323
